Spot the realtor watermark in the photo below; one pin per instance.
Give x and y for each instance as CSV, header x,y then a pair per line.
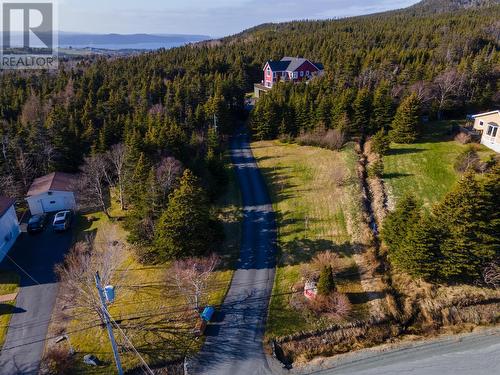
x,y
28,34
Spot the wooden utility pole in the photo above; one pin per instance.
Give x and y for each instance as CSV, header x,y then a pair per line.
x,y
108,324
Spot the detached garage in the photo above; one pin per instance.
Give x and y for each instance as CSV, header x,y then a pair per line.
x,y
51,193
9,225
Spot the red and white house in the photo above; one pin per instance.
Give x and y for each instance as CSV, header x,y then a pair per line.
x,y
294,69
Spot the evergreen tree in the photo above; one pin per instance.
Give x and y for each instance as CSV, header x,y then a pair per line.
x,y
397,225
326,283
361,112
186,227
381,143
419,253
465,247
405,126
382,113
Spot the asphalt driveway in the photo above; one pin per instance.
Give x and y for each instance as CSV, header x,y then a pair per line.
x,y
234,343
36,254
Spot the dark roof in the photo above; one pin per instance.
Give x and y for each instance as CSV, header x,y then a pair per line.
x,y
56,181
5,204
290,64
278,66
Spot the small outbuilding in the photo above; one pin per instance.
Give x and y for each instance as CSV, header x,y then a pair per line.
x,y
51,193
9,225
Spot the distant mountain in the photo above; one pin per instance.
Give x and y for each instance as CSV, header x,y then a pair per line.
x,y
115,41
440,6
127,41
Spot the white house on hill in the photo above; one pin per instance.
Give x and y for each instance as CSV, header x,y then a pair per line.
x,y
51,193
9,225
487,124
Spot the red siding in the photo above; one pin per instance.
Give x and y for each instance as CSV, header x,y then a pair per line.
x,y
306,66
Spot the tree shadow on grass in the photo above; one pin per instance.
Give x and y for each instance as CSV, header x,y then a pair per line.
x,y
302,250
390,176
405,151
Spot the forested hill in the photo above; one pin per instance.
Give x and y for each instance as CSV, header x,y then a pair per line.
x,y
452,5
162,103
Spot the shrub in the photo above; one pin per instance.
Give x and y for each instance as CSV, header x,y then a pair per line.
x,y
326,283
467,159
336,305
463,138
331,139
312,270
376,169
58,361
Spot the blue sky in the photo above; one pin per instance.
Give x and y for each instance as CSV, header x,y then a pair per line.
x,y
210,17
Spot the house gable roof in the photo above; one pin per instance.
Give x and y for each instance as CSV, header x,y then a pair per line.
x,y
486,113
56,181
5,204
290,64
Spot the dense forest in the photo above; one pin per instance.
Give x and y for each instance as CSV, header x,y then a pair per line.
x,y
172,109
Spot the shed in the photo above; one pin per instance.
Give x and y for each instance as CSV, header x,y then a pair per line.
x,y
9,225
51,193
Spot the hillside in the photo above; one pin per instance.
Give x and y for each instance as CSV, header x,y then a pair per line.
x,y
439,6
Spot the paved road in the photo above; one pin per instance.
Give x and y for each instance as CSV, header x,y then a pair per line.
x,y
234,344
470,354
25,340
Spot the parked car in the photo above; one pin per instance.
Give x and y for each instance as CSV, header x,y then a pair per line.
x,y
62,221
37,223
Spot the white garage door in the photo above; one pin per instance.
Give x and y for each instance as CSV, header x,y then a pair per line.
x,y
55,203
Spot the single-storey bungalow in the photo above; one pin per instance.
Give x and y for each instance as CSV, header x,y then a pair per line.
x,y
487,124
9,225
51,193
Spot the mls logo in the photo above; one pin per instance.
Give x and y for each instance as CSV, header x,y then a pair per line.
x,y
28,39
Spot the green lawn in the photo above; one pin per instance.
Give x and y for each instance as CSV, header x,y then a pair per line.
x,y
156,320
314,214
424,168
9,283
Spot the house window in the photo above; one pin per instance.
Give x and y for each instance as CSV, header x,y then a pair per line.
x,y
481,123
295,75
492,131
302,73
52,202
307,73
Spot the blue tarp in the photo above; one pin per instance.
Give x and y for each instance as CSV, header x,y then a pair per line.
x,y
207,313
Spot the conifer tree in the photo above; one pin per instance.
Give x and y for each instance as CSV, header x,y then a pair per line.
x,y
326,283
185,227
382,109
465,247
361,112
381,143
398,224
405,126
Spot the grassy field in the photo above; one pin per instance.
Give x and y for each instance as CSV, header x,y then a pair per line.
x,y
9,283
425,168
314,214
157,321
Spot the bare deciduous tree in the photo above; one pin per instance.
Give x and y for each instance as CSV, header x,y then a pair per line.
x,y
191,277
103,254
491,274
312,270
116,156
93,184
448,84
25,167
167,174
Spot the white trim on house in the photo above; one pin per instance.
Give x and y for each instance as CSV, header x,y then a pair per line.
x,y
486,114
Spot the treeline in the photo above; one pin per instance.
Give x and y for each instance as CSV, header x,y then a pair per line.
x,y
144,125
456,240
450,62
